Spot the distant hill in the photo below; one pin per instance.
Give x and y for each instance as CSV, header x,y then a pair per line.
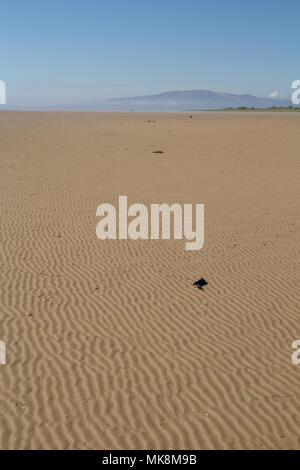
x,y
190,100
169,101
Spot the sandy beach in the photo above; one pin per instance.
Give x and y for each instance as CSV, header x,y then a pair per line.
x,y
109,345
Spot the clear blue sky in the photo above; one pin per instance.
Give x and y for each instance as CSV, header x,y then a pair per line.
x,y
80,51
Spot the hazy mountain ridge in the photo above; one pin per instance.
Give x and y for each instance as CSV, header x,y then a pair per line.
x,y
191,100
188,100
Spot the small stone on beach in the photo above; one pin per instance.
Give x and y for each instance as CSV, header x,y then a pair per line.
x,y
201,283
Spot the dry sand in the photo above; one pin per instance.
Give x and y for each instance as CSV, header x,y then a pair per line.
x,y
109,345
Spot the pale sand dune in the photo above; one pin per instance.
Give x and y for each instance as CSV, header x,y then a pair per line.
x,y
109,345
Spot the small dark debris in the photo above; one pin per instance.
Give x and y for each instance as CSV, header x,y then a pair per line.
x,y
191,116
158,151
201,283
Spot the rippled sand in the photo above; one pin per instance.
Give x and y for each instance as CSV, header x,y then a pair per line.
x,y
108,343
